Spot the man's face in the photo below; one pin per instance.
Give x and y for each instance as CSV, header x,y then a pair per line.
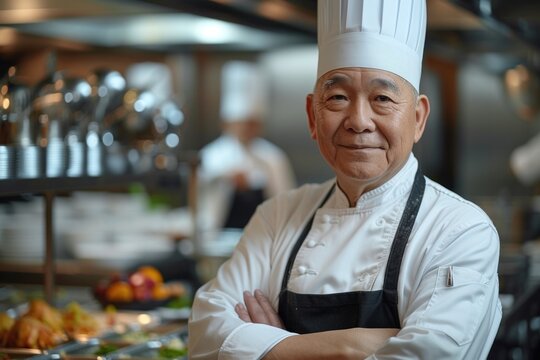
x,y
245,131
365,122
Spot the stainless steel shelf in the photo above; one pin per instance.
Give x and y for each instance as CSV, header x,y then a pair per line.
x,y
106,182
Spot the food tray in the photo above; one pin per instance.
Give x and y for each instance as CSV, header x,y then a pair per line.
x,y
89,350
151,349
134,343
14,353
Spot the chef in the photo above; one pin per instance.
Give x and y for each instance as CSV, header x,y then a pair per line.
x,y
240,168
379,262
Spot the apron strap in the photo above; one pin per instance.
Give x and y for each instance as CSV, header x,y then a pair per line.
x,y
301,239
403,232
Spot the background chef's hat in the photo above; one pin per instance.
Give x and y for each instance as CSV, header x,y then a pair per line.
x,y
524,161
243,92
379,34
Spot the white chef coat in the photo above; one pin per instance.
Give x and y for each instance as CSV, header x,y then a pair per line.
x,y
267,167
347,250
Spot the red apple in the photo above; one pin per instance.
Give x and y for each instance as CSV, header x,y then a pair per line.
x,y
142,286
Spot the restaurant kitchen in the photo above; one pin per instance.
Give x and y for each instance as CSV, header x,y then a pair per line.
x,y
70,222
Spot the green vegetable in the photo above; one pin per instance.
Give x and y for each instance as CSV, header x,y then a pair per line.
x,y
171,353
179,303
105,349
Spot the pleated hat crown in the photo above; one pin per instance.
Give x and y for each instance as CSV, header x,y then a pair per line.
x,y
380,34
243,92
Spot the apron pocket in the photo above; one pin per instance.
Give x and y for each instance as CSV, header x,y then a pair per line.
x,y
455,307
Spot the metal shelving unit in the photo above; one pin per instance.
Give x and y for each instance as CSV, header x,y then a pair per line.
x,y
50,187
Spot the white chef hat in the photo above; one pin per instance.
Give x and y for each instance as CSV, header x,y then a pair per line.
x,y
381,34
524,161
243,92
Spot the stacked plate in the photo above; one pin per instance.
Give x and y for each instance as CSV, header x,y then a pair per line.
x,y
27,162
113,229
7,161
21,236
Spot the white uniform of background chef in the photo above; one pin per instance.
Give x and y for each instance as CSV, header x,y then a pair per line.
x,y
321,243
240,157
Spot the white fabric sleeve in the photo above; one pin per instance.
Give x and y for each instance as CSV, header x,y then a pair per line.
x,y
451,321
247,341
281,174
215,330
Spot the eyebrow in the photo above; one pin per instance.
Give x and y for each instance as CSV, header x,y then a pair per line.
x,y
335,80
387,84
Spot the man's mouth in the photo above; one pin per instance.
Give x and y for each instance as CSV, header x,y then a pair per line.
x,y
361,147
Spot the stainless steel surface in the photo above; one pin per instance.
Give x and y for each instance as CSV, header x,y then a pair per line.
x,y
15,129
14,96
77,95
7,162
28,162
50,116
131,132
108,87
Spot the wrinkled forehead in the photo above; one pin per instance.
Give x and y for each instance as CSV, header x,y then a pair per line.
x,y
364,78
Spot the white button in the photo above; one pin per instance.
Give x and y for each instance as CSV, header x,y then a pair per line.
x,y
379,222
311,243
302,270
326,218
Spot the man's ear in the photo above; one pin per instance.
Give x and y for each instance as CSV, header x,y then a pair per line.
x,y
422,114
311,117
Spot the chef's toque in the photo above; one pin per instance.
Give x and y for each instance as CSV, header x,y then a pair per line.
x,y
380,34
524,161
243,92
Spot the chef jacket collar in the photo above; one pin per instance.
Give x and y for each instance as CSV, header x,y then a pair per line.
x,y
390,191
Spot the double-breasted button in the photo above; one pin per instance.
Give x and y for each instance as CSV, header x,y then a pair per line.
x,y
311,243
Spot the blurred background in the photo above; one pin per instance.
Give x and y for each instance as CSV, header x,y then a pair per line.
x,y
127,91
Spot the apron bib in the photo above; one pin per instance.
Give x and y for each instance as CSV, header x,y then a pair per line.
x,y
307,313
244,203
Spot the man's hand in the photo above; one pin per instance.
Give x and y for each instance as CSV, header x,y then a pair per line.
x,y
257,309
240,180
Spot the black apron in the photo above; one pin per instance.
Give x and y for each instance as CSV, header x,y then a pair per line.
x,y
307,313
243,206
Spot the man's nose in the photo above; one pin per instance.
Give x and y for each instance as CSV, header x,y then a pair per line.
x,y
360,117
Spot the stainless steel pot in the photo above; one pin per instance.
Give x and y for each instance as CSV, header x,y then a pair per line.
x,y
108,87
18,151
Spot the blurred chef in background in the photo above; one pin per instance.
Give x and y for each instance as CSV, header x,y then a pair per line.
x,y
524,161
240,169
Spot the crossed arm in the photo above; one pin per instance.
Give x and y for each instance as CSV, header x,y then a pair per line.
x,y
355,343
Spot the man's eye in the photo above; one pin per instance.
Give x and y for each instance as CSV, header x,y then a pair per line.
x,y
382,98
337,97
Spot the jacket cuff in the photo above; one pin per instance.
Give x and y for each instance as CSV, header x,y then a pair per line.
x,y
251,341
